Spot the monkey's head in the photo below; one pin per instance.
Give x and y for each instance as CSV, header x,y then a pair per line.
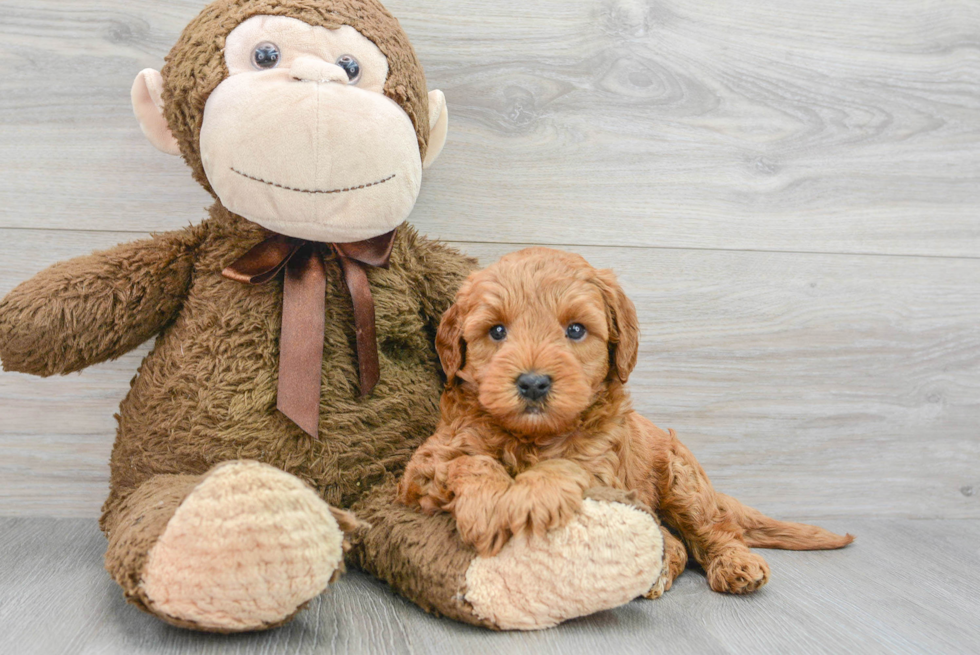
x,y
308,117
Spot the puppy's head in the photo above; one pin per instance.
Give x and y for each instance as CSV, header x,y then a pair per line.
x,y
539,335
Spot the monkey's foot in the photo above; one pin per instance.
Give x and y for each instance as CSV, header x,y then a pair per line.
x,y
245,550
608,555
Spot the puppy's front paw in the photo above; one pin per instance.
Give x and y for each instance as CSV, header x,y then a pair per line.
x,y
737,571
528,509
525,508
545,497
480,524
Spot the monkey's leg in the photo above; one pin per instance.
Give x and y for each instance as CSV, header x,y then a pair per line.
x,y
611,553
691,505
242,547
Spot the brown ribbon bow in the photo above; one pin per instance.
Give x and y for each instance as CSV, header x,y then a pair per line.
x,y
303,307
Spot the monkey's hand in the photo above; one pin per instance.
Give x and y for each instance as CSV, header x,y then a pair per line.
x,y
93,308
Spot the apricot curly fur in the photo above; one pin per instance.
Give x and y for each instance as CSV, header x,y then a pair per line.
x,y
504,465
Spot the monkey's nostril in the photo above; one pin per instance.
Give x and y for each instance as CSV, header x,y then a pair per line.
x,y
533,386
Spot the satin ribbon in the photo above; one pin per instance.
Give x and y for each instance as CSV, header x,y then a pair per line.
x,y
303,309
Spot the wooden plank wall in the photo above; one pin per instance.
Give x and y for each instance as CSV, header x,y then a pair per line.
x,y
788,190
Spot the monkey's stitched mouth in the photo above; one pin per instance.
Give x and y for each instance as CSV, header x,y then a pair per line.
x,y
325,191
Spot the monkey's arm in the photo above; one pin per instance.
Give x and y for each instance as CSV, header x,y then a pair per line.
x,y
97,307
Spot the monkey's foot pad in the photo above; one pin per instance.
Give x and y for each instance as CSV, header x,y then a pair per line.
x,y
248,547
608,555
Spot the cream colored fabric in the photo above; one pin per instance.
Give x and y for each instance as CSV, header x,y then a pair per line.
x,y
244,550
299,148
147,97
609,555
438,127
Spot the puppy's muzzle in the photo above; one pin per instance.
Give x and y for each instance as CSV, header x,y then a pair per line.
x,y
532,386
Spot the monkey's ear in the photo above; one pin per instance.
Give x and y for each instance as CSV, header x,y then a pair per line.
x,y
438,126
147,97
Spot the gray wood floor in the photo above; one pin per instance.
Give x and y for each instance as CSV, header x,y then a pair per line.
x,y
905,586
790,191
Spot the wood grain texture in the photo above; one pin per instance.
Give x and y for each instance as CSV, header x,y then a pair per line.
x,y
845,126
790,191
820,384
808,385
903,587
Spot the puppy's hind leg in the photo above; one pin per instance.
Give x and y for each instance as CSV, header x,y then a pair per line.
x,y
675,561
691,505
675,556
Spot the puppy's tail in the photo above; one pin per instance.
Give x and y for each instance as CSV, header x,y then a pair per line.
x,y
761,531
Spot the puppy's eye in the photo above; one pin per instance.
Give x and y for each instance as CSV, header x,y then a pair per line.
x,y
498,333
350,66
265,56
576,332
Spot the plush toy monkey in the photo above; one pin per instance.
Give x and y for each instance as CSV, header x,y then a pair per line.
x,y
294,370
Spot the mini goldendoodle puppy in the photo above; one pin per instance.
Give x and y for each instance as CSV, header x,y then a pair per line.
x,y
536,351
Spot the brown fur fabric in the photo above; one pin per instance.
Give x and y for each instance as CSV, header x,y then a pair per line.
x,y
136,290
206,393
420,556
503,463
139,521
196,65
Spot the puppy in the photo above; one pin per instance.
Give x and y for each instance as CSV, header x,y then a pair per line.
x,y
536,350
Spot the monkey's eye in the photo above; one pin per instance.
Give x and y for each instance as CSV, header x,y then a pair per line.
x,y
265,56
576,332
498,333
350,65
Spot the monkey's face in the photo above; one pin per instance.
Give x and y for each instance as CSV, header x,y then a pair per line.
x,y
300,137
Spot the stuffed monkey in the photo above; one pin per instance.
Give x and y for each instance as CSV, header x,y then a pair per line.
x,y
294,370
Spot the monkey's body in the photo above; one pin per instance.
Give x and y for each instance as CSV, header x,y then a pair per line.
x,y
206,394
223,514
207,391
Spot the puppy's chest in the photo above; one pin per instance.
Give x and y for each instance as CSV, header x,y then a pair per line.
x,y
520,460
601,458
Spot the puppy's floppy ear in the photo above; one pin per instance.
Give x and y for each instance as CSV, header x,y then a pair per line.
x,y
624,327
449,341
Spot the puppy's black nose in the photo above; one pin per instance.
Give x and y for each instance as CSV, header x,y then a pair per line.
x,y
533,386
